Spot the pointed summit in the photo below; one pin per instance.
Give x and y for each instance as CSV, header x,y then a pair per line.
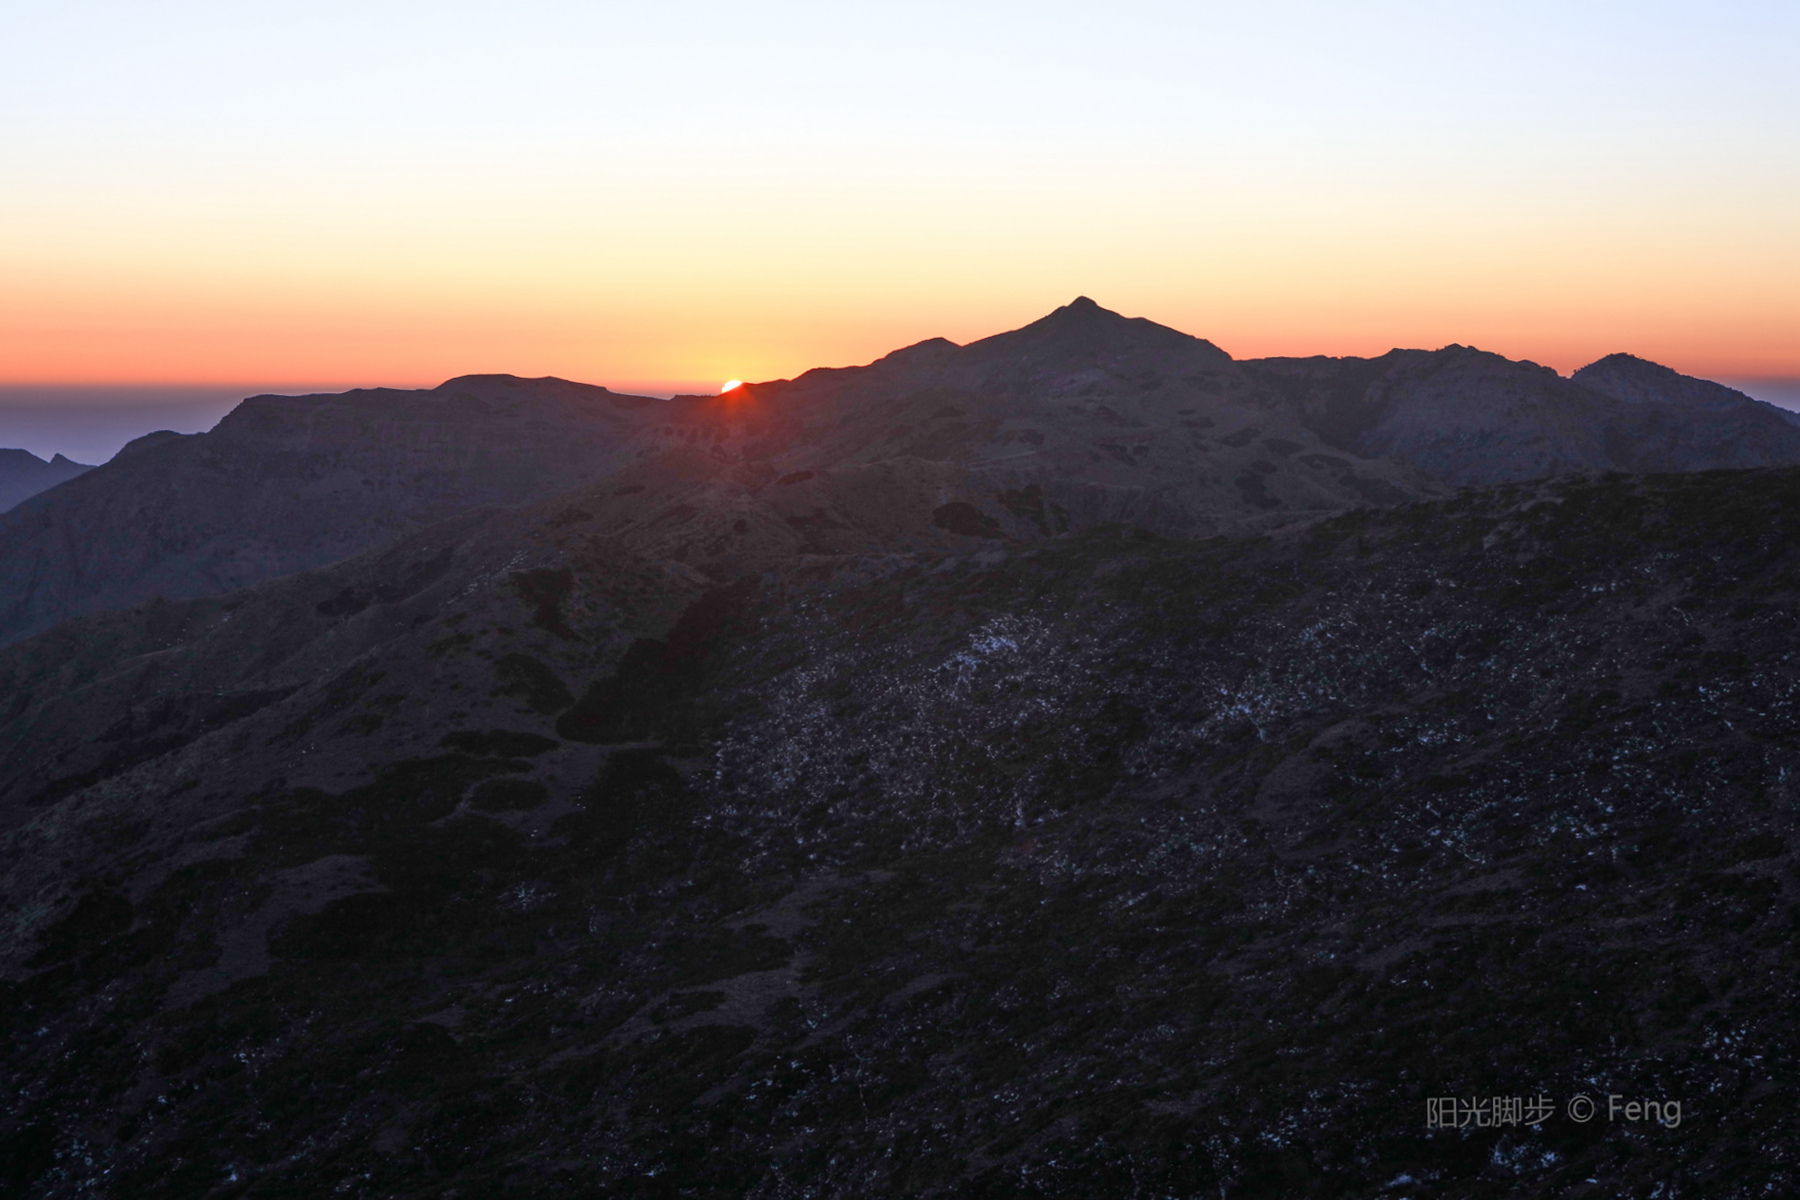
x,y
23,475
1082,312
1082,327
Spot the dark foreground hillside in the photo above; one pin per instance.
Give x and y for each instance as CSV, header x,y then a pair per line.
x,y
1096,866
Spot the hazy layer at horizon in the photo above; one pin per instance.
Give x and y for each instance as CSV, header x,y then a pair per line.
x,y
90,423
1783,393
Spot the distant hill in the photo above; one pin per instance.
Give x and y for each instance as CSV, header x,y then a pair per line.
x,y
284,483
23,475
1469,417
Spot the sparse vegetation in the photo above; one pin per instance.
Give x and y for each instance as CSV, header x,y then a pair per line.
x,y
1108,866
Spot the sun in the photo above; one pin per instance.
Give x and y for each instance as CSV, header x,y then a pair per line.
x,y
731,384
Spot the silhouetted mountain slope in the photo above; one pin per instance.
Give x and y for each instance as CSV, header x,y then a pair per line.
x,y
686,517
23,475
1469,417
290,482
1110,418
520,857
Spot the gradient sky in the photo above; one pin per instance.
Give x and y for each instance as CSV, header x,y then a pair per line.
x,y
663,196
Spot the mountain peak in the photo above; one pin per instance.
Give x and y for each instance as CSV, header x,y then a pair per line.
x,y
930,350
1084,327
1636,380
1621,359
1083,310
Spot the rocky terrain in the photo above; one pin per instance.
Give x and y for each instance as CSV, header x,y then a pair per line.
x,y
1063,765
23,475
524,859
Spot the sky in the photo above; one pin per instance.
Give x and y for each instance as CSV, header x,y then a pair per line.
x,y
255,196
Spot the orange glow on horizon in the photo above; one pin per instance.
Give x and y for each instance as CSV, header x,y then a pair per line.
x,y
175,210
58,329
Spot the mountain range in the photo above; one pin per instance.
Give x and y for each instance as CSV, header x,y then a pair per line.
x,y
1075,763
1080,418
